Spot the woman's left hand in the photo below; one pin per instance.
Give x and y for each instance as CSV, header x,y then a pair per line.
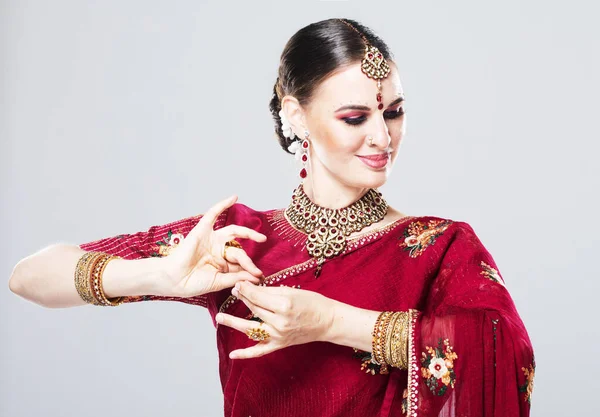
x,y
291,316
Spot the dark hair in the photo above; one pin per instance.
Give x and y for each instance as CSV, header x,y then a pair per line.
x,y
312,54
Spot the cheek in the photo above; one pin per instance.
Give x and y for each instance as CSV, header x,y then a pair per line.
x,y
340,142
397,131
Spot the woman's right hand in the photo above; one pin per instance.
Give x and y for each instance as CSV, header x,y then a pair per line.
x,y
196,266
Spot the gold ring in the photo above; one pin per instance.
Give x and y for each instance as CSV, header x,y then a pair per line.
x,y
257,334
233,243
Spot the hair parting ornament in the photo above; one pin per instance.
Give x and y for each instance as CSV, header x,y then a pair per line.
x,y
373,64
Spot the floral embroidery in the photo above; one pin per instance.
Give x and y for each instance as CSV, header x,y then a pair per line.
x,y
491,273
418,235
368,364
438,367
527,387
171,241
405,401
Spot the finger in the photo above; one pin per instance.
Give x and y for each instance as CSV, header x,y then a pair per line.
x,y
233,230
264,314
239,256
218,263
260,295
236,323
260,349
229,279
210,217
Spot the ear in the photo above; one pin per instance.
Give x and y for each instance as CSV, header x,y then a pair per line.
x,y
294,113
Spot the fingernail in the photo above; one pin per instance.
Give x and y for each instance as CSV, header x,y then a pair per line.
x,y
232,355
238,285
235,292
219,318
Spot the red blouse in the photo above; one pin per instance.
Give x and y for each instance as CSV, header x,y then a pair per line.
x,y
469,351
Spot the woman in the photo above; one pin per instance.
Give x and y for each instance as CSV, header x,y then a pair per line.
x,y
341,305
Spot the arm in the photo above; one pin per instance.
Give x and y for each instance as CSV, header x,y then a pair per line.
x,y
352,326
46,277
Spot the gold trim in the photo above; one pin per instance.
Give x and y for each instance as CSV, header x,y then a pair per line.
x,y
390,224
413,367
270,280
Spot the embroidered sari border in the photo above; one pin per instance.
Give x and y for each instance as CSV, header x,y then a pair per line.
x,y
273,278
413,367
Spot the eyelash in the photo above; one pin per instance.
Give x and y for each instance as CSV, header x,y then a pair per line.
x,y
355,121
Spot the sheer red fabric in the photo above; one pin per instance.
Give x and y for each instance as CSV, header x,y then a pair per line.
x,y
470,354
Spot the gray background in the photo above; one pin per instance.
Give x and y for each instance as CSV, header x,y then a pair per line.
x,y
118,115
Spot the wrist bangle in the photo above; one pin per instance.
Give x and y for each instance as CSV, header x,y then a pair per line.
x,y
82,283
399,341
88,279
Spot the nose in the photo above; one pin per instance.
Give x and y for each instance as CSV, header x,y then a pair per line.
x,y
381,134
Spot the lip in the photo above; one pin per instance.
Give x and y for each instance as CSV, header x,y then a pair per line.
x,y
375,161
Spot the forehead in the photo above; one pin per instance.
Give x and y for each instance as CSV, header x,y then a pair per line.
x,y
351,85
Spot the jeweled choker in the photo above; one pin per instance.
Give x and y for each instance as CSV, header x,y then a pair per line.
x,y
328,228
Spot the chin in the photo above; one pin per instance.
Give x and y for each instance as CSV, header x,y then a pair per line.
x,y
372,179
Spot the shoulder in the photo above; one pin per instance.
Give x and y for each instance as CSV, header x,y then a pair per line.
x,y
437,225
243,212
463,251
445,242
421,232
244,215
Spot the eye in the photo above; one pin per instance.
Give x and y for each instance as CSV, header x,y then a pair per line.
x,y
354,121
394,114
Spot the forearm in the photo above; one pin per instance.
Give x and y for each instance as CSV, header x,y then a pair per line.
x,y
47,277
352,326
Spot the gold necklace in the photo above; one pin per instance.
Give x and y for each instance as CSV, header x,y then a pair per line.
x,y
328,228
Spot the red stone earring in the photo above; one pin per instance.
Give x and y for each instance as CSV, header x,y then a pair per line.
x,y
304,154
300,151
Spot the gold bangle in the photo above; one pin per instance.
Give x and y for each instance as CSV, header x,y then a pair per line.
x,y
82,284
375,332
90,277
384,340
399,342
96,281
404,340
389,351
379,350
377,335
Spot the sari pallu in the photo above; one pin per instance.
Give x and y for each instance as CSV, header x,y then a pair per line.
x,y
469,352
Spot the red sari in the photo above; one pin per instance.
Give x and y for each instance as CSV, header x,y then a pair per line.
x,y
469,352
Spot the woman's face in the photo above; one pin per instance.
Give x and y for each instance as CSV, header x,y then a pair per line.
x,y
341,117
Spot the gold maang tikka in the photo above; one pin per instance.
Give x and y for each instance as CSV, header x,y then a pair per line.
x,y
373,64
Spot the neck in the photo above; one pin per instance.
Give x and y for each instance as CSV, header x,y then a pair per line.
x,y
331,194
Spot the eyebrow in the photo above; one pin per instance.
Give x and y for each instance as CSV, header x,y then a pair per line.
x,y
366,108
